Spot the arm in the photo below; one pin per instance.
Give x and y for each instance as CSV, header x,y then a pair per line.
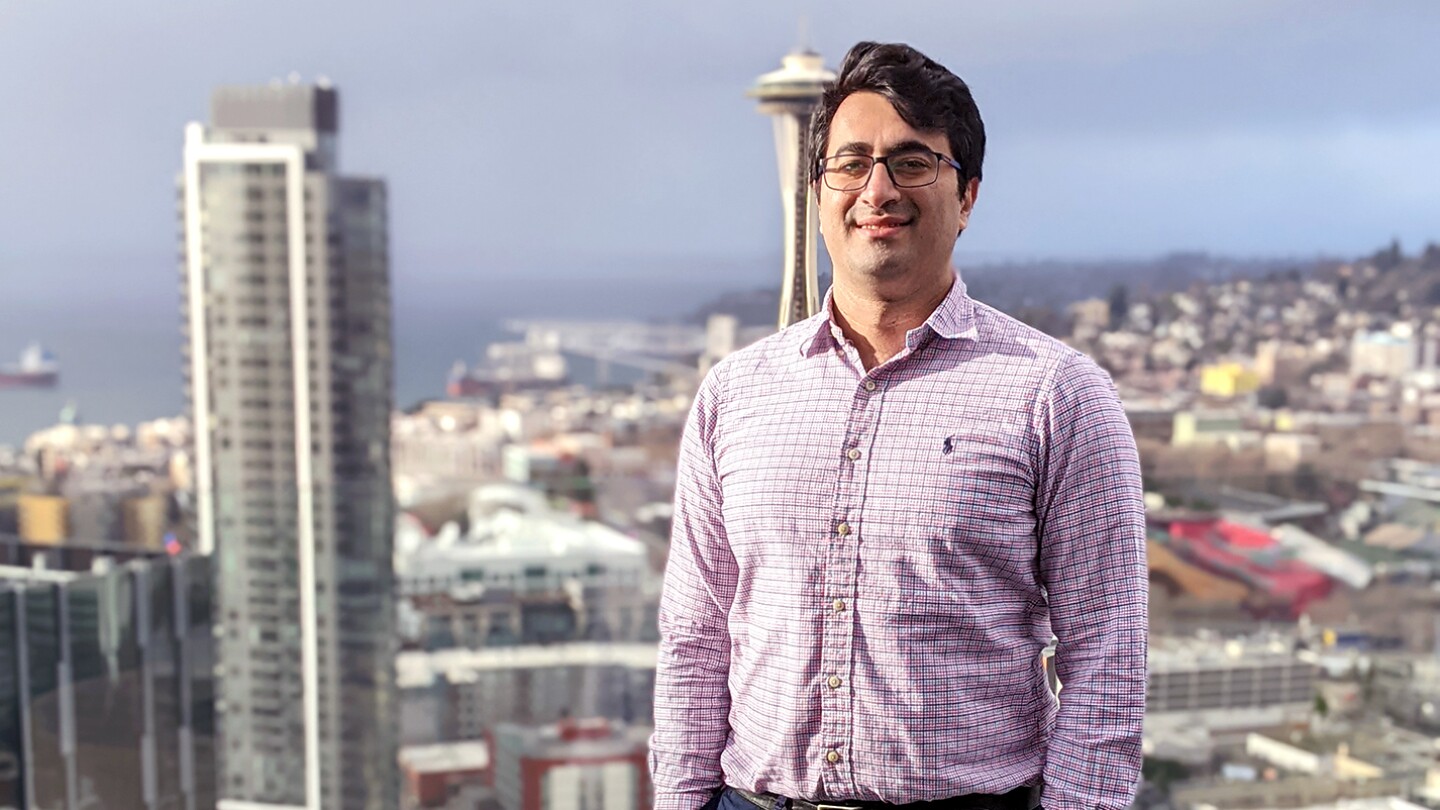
x,y
692,695
1092,562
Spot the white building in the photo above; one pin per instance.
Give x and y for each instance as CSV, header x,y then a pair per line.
x,y
589,764
1389,355
517,541
524,573
461,694
1227,684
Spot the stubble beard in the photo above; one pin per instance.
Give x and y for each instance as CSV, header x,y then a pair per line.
x,y
881,261
880,265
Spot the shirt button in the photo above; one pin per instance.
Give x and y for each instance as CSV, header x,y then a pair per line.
x,y
834,681
869,385
839,605
843,529
853,453
832,756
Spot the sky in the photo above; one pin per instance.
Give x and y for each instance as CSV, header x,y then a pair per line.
x,y
579,139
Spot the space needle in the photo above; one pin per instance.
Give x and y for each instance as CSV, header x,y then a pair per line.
x,y
789,95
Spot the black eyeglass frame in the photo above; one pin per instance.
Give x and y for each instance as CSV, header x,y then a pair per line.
x,y
874,161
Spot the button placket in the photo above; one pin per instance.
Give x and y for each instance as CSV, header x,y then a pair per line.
x,y
842,559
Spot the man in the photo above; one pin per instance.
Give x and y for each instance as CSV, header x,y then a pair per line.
x,y
884,512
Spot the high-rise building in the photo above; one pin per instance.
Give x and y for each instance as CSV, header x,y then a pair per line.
x,y
287,302
106,678
790,95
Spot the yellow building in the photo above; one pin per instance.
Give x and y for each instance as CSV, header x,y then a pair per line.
x,y
1226,380
144,521
44,518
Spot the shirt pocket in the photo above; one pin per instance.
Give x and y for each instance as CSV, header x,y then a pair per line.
x,y
977,484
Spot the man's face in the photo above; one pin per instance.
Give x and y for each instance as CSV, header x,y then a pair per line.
x,y
880,231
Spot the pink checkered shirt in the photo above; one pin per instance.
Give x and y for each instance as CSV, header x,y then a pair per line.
x,y
865,568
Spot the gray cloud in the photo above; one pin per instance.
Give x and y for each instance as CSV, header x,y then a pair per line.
x,y
516,133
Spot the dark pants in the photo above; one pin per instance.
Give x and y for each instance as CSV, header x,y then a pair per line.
x,y
728,799
1018,799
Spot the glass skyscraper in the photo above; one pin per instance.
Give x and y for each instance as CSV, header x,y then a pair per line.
x,y
106,679
287,301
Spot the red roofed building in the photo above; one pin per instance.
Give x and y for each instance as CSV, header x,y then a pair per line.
x,y
590,764
1250,555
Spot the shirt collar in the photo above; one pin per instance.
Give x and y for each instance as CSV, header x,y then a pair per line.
x,y
953,319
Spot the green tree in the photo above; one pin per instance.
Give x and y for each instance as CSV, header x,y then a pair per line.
x,y
1389,258
1119,299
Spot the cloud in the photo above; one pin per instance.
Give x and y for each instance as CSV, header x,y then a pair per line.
x,y
636,111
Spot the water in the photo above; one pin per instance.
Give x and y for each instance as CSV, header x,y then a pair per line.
x,y
121,358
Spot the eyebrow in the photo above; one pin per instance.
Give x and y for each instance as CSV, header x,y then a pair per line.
x,y
865,148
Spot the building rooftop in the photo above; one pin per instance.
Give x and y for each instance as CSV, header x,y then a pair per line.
x,y
593,738
417,670
1378,803
57,564
278,105
467,755
513,525
1178,654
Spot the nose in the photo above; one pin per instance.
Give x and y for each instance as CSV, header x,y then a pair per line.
x,y
879,188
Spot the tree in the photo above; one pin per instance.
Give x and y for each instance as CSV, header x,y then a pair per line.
x,y
1389,258
1119,304
1163,772
1430,259
1272,397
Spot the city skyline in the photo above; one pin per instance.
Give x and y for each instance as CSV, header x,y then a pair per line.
x,y
413,585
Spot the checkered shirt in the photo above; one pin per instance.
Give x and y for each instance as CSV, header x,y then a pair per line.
x,y
866,566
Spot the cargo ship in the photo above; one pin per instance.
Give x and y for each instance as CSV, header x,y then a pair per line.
x,y
35,369
507,368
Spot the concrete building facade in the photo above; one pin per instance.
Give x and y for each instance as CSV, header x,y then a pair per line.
x,y
287,307
465,694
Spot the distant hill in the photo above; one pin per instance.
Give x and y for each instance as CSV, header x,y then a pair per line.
x,y
1388,281
1030,289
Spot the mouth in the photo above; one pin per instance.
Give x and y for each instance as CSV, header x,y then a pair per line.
x,y
881,227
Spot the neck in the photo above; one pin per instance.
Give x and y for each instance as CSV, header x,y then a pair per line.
x,y
876,318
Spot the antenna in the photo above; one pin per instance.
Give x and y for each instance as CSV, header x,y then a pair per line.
x,y
802,44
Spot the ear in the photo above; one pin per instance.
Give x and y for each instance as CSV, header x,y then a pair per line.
x,y
972,193
967,203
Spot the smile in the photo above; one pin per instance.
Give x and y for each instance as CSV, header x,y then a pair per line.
x,y
881,228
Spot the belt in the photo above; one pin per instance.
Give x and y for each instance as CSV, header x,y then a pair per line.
x,y
1021,798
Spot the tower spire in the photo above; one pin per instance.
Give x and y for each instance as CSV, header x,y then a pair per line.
x,y
789,95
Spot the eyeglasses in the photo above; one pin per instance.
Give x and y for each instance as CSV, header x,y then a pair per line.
x,y
912,168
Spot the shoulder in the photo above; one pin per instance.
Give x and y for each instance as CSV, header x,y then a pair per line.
x,y
1046,360
999,332
776,353
1065,382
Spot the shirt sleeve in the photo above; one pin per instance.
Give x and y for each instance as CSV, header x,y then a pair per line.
x,y
692,696
1091,514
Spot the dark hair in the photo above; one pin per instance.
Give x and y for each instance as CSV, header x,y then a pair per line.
x,y
924,93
